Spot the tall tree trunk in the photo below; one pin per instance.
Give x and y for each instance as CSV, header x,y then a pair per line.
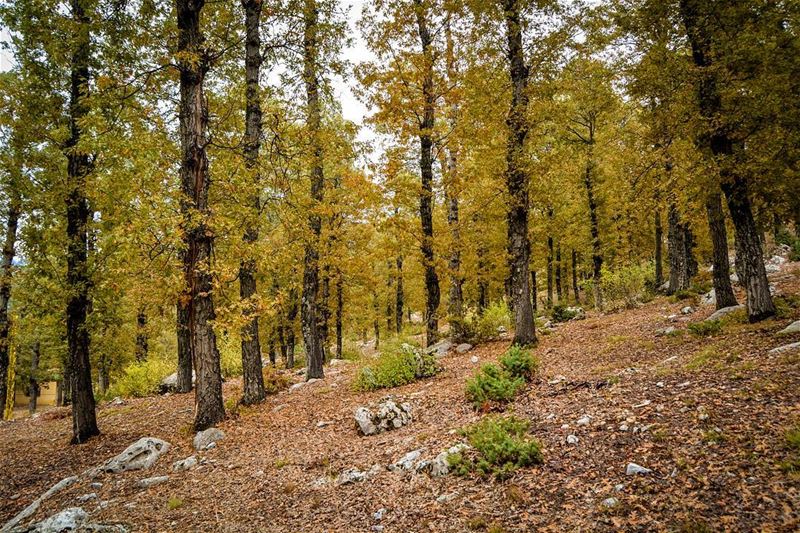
x,y
517,179
12,221
390,296
594,224
252,376
376,325
103,375
534,293
84,421
549,272
678,280
659,253
559,291
33,382
310,309
432,295
399,296
483,283
324,308
291,316
199,239
141,335
723,290
339,312
575,290
185,357
698,18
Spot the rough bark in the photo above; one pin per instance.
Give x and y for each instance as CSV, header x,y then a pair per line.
x,y
575,290
310,308
33,382
517,180
141,336
390,296
680,252
549,272
12,221
185,357
432,295
376,325
252,376
399,295
559,292
723,290
291,316
339,312
534,293
84,421
198,237
659,250
594,224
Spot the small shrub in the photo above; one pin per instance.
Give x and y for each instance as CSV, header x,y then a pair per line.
x,y
628,286
500,445
683,294
562,313
492,384
705,328
485,326
394,368
519,363
174,503
791,465
141,379
274,381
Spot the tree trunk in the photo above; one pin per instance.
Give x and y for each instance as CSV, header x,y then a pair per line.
x,y
390,296
594,224
575,290
399,296
33,383
5,292
517,179
432,295
141,336
698,18
559,292
376,325
185,357
103,375
481,275
339,312
291,316
199,239
310,309
678,261
324,309
84,421
252,376
659,253
534,293
549,272
723,290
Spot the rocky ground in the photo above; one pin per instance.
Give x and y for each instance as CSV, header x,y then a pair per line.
x,y
707,416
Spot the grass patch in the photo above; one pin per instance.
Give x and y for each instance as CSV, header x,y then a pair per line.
x,y
706,328
500,445
487,325
713,436
397,365
174,503
791,465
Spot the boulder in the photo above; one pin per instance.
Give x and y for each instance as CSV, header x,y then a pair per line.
x,y
474,359
786,348
146,483
70,519
140,455
463,347
572,439
388,416
407,462
633,469
794,327
709,298
665,331
204,438
688,310
578,312
719,313
354,475
184,464
440,466
439,349
34,506
170,383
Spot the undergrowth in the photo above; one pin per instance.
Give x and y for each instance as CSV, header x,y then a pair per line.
x,y
494,384
399,363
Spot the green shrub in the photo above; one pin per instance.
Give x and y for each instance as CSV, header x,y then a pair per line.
x,y
791,464
230,355
628,286
492,384
705,328
274,381
561,313
141,379
684,294
500,445
485,326
519,363
395,367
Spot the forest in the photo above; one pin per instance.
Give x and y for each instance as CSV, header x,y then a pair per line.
x,y
562,237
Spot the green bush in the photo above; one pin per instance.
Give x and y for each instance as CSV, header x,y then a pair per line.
x,y
519,363
500,445
141,379
492,384
628,286
396,366
483,327
561,313
791,464
705,328
274,381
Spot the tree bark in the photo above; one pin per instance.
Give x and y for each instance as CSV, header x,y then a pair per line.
x,y
390,296
12,221
310,309
517,179
185,357
399,296
432,295
659,250
141,335
291,316
84,421
33,382
339,312
575,290
199,239
679,250
594,224
723,290
534,293
252,376
559,292
376,325
549,272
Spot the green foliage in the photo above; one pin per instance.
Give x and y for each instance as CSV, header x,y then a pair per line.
x,y
706,328
519,363
174,503
683,294
492,384
561,313
230,355
628,286
141,379
274,381
485,326
785,305
791,464
500,445
397,365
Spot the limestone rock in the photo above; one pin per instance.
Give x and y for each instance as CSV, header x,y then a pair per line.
x,y
633,469
719,313
688,310
665,331
786,348
70,519
572,439
146,483
170,383
474,359
440,466
140,455
794,327
184,464
388,416
407,462
463,347
439,349
709,298
204,438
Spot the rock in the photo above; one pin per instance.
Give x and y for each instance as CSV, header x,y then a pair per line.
x,y
463,347
339,362
211,446
324,423
664,286
734,278
297,386
474,359
585,420
633,469
439,349
86,497
351,475
280,407
96,485
204,438
388,416
643,404
688,310
572,439
618,487
170,383
117,401
662,332
557,379
34,506
70,519
501,329
660,384
440,466
785,348
579,312
407,461
378,515
719,313
377,528
442,498
709,298
146,483
794,327
623,427
184,464
140,455
564,426
610,502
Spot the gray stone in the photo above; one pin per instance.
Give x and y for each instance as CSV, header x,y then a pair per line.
x,y
665,331
204,438
388,416
146,483
170,383
442,498
363,418
279,408
96,485
719,313
440,466
140,455
407,461
474,359
618,487
441,348
463,347
688,310
184,464
794,327
572,439
585,420
378,515
34,506
579,312
86,497
324,423
351,475
709,298
633,469
785,348
610,502
70,519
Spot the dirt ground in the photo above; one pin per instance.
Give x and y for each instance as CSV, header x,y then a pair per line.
x,y
708,415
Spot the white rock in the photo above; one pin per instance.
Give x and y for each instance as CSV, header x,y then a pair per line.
x,y
557,379
170,383
446,497
623,427
389,416
70,519
463,347
709,298
610,502
564,426
585,420
140,455
184,464
785,348
34,506
351,475
474,359
407,461
660,384
643,404
618,487
440,349
280,407
323,423
688,310
572,439
633,469
151,481
86,497
378,515
794,327
96,485
719,313
204,438
665,331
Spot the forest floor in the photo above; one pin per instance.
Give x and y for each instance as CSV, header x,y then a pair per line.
x,y
719,472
